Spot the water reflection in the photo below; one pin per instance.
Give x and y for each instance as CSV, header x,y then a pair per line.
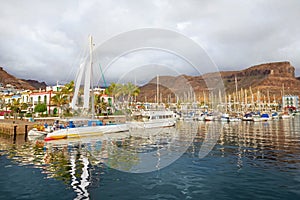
x,y
71,161
81,163
275,142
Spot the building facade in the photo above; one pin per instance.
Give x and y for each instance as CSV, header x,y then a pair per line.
x,y
290,102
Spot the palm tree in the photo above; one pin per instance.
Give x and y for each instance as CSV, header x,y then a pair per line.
x,y
136,92
100,104
111,90
59,99
68,89
131,90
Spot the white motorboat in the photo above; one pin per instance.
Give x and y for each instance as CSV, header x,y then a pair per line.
x,y
152,119
201,117
234,119
224,117
285,116
256,118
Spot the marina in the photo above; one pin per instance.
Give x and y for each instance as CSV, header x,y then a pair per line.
x,y
149,100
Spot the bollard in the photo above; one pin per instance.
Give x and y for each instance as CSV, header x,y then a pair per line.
x,y
26,132
15,133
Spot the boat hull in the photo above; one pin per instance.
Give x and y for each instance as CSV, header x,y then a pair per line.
x,y
247,119
85,131
35,132
209,118
152,124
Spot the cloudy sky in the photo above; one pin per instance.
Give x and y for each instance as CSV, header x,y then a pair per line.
x,y
46,40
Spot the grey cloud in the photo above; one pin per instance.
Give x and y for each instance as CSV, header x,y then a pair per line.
x,y
46,40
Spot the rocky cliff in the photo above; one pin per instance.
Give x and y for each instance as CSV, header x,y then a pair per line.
x,y
272,79
6,78
36,84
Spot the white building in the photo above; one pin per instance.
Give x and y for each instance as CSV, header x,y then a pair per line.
x,y
290,102
55,88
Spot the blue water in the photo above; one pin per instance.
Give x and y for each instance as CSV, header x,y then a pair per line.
x,y
249,161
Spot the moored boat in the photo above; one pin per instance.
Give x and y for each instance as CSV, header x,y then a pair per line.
x,y
152,119
285,116
265,117
256,118
224,117
80,129
209,117
247,117
275,115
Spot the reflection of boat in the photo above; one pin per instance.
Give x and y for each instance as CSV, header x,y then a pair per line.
x,y
81,129
152,119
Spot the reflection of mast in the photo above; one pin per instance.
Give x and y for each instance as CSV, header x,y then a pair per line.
x,y
80,187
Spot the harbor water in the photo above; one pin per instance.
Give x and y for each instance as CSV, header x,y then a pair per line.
x,y
193,160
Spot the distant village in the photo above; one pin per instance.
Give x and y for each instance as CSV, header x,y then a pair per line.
x,y
55,101
32,103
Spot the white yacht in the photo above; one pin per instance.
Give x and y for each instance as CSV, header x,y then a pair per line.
x,y
152,119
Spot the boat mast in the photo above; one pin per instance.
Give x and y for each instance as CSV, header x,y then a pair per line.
x,y
157,90
92,85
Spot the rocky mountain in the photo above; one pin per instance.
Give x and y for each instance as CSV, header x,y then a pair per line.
x,y
36,84
6,78
270,79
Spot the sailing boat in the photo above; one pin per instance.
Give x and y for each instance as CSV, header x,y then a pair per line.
x,y
85,126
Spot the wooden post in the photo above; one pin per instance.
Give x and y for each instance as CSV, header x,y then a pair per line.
x,y
15,133
26,132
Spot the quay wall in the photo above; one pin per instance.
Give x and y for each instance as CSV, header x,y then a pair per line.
x,y
7,126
